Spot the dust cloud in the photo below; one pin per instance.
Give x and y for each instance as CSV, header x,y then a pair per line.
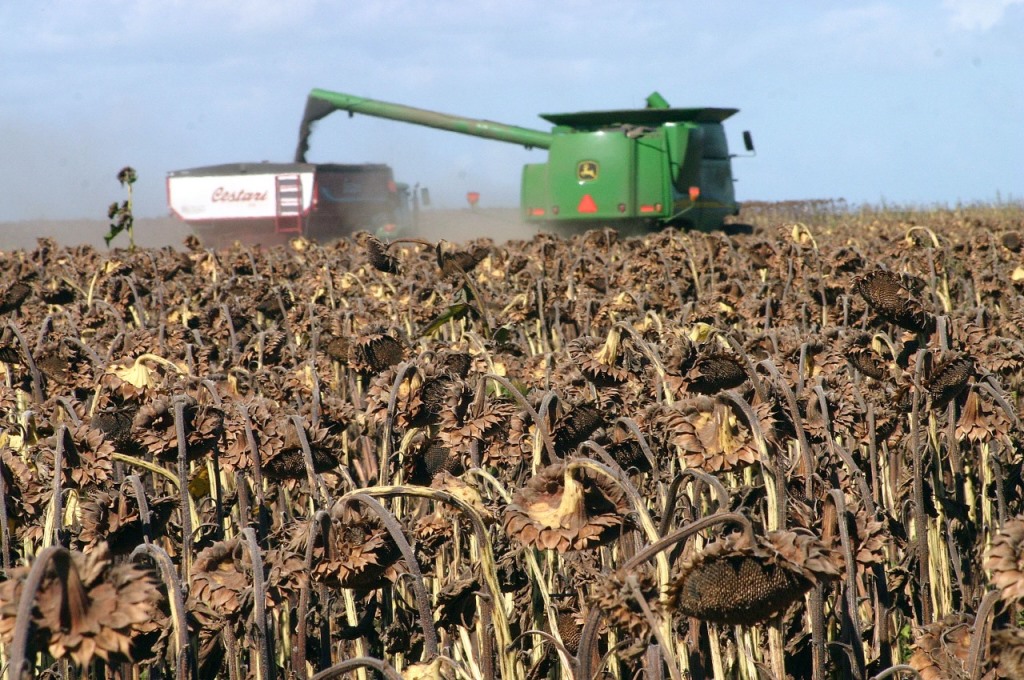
x,y
455,226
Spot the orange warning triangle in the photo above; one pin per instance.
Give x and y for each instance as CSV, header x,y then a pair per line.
x,y
587,205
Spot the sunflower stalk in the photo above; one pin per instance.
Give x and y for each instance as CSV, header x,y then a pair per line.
x,y
388,439
422,599
544,589
746,652
257,468
361,663
646,522
320,524
981,625
777,492
317,490
18,653
37,377
5,536
165,473
920,518
538,421
658,629
507,662
852,613
987,522
186,497
699,477
184,660
54,514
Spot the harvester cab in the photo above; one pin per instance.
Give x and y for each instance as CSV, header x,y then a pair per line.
x,y
633,169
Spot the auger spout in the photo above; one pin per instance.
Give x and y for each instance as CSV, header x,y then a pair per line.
x,y
323,102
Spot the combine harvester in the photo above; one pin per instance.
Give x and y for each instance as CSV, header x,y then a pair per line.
x,y
633,169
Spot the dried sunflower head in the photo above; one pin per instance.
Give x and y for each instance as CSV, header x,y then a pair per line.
x,y
616,596
88,457
744,580
596,362
408,411
156,432
892,299
221,583
863,357
1002,355
457,427
376,253
575,426
266,348
679,352
1006,560
871,539
430,459
570,629
284,457
222,592
565,508
710,434
981,420
941,649
713,371
839,417
116,425
432,396
456,603
507,443
375,351
114,519
629,455
14,295
948,378
1006,654
87,608
336,347
452,262
847,259
10,347
272,304
456,363
361,553
431,532
65,363
28,491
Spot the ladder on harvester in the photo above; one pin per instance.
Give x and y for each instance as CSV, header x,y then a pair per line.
x,y
288,219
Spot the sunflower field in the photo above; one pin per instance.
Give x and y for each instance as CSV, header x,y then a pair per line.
x,y
790,453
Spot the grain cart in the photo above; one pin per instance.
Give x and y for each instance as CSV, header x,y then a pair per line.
x,y
270,203
633,169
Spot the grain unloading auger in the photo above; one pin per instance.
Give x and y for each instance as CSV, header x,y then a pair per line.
x,y
630,168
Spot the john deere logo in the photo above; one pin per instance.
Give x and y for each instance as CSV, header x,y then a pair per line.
x,y
586,171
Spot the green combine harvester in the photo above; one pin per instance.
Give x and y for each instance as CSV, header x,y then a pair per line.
x,y
632,169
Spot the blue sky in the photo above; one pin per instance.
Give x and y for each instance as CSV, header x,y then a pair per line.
x,y
917,102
